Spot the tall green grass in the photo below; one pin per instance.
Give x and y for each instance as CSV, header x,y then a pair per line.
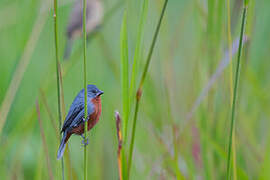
x,y
128,89
138,52
58,75
139,90
162,148
85,89
236,82
231,82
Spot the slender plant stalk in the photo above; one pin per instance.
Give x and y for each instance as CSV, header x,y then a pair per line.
x,y
138,49
85,87
67,160
57,62
57,75
231,82
139,91
119,137
236,82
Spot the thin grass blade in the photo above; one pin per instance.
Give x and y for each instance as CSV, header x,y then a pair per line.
x,y
85,87
236,82
138,50
124,74
139,91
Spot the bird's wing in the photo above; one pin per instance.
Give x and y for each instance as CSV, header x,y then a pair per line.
x,y
79,118
76,109
73,112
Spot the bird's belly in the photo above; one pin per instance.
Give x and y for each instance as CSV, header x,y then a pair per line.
x,y
92,120
78,130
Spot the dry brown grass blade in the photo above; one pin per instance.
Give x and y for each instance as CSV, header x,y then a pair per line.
x,y
119,136
44,141
48,110
21,68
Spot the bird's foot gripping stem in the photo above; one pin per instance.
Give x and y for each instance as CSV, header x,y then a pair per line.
x,y
84,141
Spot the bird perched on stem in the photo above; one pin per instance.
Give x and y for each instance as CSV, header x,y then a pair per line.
x,y
74,122
94,17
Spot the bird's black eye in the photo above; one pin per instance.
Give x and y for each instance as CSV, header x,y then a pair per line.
x,y
94,91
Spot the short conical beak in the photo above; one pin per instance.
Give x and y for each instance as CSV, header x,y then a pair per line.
x,y
100,93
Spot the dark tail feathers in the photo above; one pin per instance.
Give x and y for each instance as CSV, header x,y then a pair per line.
x,y
61,149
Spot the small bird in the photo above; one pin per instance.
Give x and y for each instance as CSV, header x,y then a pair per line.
x,y
94,17
74,122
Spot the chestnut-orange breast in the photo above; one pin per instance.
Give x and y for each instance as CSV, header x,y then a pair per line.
x,y
93,118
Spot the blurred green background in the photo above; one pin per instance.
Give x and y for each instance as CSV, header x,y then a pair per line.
x,y
192,42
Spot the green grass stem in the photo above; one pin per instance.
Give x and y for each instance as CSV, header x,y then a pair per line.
x,y
236,82
231,82
139,91
138,49
85,87
57,75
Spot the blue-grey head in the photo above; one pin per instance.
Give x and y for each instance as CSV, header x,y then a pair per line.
x,y
93,91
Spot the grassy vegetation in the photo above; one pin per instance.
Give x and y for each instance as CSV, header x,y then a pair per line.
x,y
185,128
85,88
58,73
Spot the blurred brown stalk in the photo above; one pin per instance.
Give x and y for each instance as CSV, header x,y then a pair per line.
x,y
119,137
44,141
21,68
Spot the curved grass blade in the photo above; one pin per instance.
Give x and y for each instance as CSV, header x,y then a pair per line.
x,y
236,82
139,91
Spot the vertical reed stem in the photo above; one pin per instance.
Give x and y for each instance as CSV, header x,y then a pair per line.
x,y
236,82
139,91
85,87
57,75
231,83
